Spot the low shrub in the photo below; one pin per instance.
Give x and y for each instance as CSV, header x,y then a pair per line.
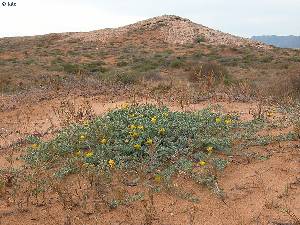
x,y
199,39
100,159
126,77
152,143
70,68
177,63
208,72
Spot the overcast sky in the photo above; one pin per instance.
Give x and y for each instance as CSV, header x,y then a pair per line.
x,y
239,17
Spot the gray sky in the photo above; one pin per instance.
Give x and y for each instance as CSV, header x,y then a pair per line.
x,y
239,17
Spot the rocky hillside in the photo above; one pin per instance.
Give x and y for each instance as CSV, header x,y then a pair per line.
x,y
160,49
170,29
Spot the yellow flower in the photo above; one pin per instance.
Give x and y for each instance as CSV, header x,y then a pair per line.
x,y
111,163
89,154
137,147
157,178
149,141
270,114
132,115
218,120
141,127
86,123
124,106
134,134
228,121
78,153
162,131
202,163
103,141
82,137
132,127
35,146
154,119
210,149
165,114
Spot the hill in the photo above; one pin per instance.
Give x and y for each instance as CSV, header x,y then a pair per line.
x,y
160,49
279,41
169,29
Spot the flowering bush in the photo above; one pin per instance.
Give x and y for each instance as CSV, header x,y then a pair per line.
x,y
153,142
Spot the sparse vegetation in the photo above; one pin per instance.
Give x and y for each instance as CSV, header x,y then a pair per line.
x,y
210,73
144,162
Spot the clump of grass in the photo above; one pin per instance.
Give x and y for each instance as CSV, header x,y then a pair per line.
x,y
211,73
71,68
126,77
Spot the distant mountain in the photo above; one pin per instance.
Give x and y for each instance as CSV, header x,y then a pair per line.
x,y
279,41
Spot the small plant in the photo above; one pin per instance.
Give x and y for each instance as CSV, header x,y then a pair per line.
x,y
200,39
122,63
71,68
177,63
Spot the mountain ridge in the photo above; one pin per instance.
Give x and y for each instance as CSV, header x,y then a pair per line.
x,y
289,41
170,29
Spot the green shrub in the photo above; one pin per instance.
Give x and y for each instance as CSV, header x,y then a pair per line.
x,y
153,143
177,63
199,39
249,58
229,61
295,59
267,59
121,76
144,65
122,63
127,78
94,67
70,68
149,64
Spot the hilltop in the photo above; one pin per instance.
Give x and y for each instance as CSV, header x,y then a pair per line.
x,y
169,29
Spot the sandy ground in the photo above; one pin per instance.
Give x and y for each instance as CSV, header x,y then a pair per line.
x,y
257,190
